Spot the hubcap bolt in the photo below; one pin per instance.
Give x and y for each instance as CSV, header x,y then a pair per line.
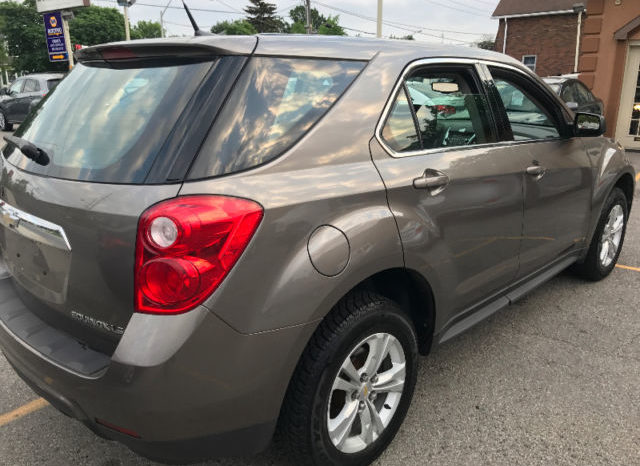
x,y
373,396
361,406
374,379
364,377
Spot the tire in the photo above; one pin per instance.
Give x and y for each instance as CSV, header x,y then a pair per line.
x,y
599,263
4,124
362,320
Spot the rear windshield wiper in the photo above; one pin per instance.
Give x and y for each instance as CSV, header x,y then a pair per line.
x,y
30,150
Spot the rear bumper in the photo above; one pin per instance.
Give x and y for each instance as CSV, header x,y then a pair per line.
x,y
215,392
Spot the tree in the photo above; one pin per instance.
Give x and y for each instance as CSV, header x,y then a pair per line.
x,y
320,24
23,31
238,27
407,37
146,30
96,25
487,42
331,27
299,15
262,16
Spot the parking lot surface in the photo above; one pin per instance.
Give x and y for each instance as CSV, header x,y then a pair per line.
x,y
553,379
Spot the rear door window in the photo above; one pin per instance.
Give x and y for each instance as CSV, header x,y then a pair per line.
x,y
108,124
31,85
447,108
273,104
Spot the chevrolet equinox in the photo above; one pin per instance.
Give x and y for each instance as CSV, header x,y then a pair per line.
x,y
209,240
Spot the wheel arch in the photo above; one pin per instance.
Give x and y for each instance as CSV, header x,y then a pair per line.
x,y
411,291
627,185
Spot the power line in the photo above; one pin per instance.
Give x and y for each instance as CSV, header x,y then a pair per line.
x,y
412,29
389,22
465,5
444,5
228,6
208,10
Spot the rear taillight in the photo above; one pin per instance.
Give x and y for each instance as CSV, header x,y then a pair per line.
x,y
186,246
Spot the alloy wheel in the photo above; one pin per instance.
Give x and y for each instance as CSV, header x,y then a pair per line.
x,y
366,392
611,236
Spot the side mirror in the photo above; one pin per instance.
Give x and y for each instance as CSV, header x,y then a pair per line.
x,y
589,125
573,106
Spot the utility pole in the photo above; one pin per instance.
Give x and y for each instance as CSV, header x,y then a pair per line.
x,y
162,18
66,16
307,5
379,25
127,35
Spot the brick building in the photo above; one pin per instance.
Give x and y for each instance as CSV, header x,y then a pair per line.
x,y
610,64
543,34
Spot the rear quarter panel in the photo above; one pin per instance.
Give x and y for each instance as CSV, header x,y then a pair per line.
x,y
326,178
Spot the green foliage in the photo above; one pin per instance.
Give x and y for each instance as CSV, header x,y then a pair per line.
x,y
23,30
407,37
262,16
96,25
320,24
487,42
146,30
331,27
238,27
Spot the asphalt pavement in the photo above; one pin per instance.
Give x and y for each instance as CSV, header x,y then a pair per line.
x,y
551,380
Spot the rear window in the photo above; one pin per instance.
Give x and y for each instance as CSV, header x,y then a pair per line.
x,y
108,125
51,83
274,103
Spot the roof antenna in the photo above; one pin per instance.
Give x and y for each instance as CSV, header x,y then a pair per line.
x,y
196,30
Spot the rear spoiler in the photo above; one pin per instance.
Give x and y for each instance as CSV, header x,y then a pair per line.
x,y
197,48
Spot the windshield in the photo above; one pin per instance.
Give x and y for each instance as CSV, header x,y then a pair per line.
x,y
108,125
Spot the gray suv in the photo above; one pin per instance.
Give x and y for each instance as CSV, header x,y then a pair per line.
x,y
211,239
17,100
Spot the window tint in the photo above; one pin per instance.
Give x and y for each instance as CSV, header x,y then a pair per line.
x,y
583,94
16,86
528,118
399,131
275,102
115,121
569,93
447,108
31,85
51,83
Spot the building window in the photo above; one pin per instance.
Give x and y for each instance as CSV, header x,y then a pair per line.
x,y
530,62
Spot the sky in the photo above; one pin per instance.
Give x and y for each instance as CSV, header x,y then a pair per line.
x,y
449,21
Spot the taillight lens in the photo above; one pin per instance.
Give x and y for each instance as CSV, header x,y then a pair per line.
x,y
186,246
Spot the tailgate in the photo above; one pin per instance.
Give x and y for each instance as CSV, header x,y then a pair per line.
x,y
70,247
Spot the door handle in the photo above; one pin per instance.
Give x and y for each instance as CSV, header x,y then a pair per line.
x,y
432,180
536,170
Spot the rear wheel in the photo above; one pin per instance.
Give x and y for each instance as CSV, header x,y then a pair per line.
x,y
608,238
353,385
4,123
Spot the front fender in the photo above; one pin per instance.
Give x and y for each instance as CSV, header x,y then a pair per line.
x,y
609,165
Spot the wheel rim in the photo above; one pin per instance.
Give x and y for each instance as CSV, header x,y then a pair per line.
x,y
611,236
366,392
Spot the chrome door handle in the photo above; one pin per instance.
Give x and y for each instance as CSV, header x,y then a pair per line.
x,y
535,170
432,180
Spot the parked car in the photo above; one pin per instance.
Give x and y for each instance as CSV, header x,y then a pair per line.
x,y
22,95
213,238
576,95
